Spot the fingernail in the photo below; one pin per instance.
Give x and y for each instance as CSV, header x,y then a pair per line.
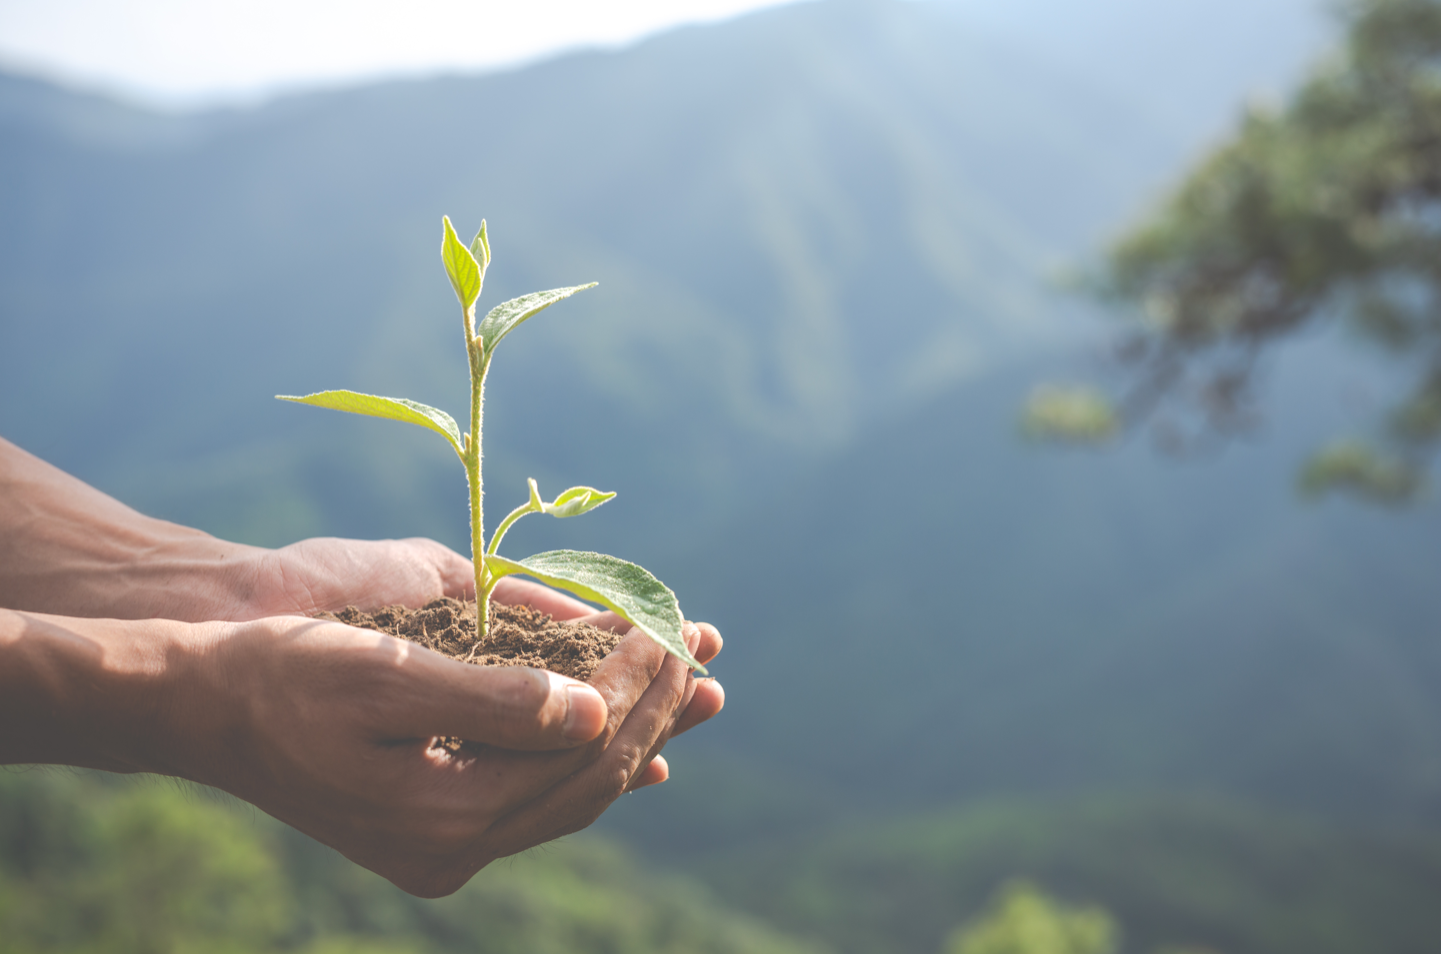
x,y
691,632
584,713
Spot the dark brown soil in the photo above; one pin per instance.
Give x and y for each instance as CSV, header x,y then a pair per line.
x,y
519,635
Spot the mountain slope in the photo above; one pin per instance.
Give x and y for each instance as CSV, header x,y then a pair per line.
x,y
802,222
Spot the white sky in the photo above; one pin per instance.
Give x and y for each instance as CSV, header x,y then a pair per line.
x,y
194,52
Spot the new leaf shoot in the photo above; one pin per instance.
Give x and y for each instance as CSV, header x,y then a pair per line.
x,y
627,589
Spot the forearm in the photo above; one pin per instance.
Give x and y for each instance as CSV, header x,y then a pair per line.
x,y
67,548
99,693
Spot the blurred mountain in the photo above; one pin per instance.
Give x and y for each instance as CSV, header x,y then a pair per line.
x,y
803,222
944,613
826,237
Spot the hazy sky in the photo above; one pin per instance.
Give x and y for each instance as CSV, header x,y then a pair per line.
x,y
184,52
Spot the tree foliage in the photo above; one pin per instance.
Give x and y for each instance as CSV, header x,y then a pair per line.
x,y
1326,210
1024,920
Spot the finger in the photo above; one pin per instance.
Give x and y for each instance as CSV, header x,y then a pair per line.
x,y
657,770
709,698
513,590
511,707
621,680
640,736
625,676
580,799
710,642
665,734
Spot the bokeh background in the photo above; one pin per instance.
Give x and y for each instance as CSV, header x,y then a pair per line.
x,y
1010,669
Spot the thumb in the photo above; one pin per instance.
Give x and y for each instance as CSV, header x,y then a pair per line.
x,y
512,707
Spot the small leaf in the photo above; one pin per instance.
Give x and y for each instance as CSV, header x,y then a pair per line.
x,y
460,265
535,500
480,249
397,409
627,589
503,317
576,501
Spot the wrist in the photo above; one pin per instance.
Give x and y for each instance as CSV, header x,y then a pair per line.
x,y
66,548
100,693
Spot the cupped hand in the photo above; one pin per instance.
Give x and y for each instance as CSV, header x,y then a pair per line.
x,y
332,730
330,573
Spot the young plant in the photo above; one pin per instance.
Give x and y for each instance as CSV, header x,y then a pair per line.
x,y
629,590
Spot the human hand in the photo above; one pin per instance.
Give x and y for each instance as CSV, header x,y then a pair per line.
x,y
330,573
330,728
332,732
70,550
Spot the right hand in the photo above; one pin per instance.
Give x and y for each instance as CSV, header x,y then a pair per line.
x,y
329,728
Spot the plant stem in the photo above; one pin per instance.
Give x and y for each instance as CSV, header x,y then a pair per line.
x,y
515,515
479,363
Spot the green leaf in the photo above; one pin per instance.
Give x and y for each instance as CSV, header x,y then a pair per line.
x,y
615,584
480,250
460,265
397,409
576,501
503,317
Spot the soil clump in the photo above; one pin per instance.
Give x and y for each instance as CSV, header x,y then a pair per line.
x,y
519,635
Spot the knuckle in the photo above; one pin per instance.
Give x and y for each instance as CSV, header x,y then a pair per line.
x,y
675,694
614,783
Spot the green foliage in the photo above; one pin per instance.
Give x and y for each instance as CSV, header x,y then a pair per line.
x,y
500,320
396,409
620,586
465,274
90,863
616,584
1024,920
570,503
1078,415
140,869
1201,875
1351,465
1329,206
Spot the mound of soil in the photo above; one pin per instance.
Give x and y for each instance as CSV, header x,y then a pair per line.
x,y
519,635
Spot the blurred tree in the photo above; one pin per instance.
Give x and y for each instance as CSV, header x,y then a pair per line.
x,y
1023,920
1082,415
1325,211
149,870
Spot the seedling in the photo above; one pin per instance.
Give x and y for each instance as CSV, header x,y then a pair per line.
x,y
629,590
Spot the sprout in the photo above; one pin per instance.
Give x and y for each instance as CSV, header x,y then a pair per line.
x,y
629,590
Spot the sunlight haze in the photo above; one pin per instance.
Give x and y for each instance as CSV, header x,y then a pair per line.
x,y
178,53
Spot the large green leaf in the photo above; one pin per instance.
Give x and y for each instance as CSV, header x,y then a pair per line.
x,y
614,583
503,317
460,266
397,409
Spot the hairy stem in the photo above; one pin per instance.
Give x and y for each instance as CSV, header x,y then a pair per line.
x,y
514,515
479,363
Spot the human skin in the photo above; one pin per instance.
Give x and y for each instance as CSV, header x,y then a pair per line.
x,y
136,645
